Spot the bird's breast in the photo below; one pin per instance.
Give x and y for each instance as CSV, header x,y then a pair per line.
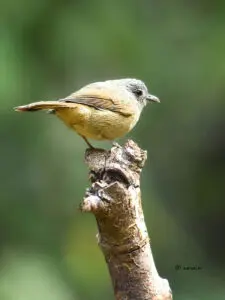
x,y
97,124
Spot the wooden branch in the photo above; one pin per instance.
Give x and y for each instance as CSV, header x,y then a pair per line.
x,y
115,200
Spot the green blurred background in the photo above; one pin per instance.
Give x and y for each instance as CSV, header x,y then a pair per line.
x,y
48,49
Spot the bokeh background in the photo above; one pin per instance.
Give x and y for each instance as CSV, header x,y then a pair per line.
x,y
48,49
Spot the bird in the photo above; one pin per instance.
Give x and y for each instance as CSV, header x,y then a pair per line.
x,y
104,110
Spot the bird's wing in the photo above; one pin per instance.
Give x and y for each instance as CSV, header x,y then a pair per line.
x,y
98,99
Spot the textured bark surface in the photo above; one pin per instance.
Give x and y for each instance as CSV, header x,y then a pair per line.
x,y
115,200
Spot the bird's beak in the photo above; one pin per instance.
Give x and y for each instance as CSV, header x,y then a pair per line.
x,y
153,98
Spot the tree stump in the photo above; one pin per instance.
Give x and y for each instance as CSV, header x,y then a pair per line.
x,y
115,200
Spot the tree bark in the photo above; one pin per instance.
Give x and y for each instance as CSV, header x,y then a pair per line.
x,y
115,200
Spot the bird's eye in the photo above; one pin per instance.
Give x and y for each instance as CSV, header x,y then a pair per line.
x,y
138,92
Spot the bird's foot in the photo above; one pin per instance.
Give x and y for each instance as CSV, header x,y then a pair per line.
x,y
115,144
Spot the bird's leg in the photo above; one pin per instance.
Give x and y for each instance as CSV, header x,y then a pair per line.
x,y
89,145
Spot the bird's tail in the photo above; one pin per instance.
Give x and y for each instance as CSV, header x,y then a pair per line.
x,y
41,105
